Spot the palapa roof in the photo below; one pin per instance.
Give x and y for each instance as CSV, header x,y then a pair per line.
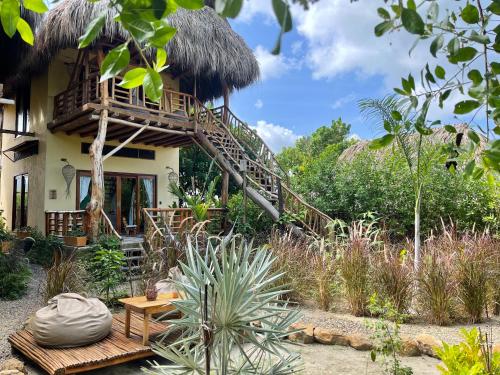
x,y
439,136
205,46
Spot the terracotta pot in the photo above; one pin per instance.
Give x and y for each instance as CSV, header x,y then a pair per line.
x,y
75,241
151,293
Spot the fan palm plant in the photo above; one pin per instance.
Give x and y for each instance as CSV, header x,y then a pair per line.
x,y
406,132
233,321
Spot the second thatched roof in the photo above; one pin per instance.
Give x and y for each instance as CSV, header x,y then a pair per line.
x,y
205,46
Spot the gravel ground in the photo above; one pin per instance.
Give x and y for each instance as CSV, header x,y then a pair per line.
x,y
15,313
347,323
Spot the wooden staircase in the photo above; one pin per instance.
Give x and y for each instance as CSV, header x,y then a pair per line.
x,y
235,145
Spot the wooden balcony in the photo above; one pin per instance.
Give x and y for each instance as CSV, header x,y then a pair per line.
x,y
167,123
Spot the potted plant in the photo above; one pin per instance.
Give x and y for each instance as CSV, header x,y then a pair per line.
x,y
76,238
23,232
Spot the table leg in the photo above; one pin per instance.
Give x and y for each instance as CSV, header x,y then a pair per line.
x,y
127,322
145,334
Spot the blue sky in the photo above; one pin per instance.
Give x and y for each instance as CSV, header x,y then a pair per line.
x,y
329,61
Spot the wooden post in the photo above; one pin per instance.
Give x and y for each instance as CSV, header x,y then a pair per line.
x,y
225,188
95,152
226,104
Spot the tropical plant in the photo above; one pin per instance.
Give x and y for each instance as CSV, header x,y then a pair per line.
x,y
393,116
467,34
256,222
393,279
387,341
14,276
473,356
63,276
76,233
43,249
105,269
233,320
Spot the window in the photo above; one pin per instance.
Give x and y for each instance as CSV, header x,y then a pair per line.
x,y
20,204
125,152
23,109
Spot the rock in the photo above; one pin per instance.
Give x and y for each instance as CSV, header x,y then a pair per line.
x,y
496,348
298,335
308,334
330,337
409,347
428,344
360,342
11,372
12,364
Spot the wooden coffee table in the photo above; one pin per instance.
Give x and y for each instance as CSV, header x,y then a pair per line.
x,y
141,305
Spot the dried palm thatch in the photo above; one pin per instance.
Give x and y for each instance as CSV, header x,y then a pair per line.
x,y
440,136
205,47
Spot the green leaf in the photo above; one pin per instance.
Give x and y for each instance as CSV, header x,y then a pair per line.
x,y
470,14
381,142
479,38
396,115
440,72
373,356
228,8
465,54
9,15
469,168
116,60
159,7
466,106
190,4
137,26
162,35
37,6
437,44
450,129
412,21
383,27
25,31
283,15
433,12
383,13
496,130
161,57
473,136
494,7
133,78
153,85
411,5
93,28
495,67
453,46
423,129
475,76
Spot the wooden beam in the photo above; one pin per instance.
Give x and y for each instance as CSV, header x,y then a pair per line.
x,y
123,144
166,140
225,188
152,128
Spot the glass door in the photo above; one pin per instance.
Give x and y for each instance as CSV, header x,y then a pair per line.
x,y
147,195
110,199
128,201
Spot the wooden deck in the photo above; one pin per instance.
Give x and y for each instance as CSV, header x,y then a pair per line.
x,y
113,350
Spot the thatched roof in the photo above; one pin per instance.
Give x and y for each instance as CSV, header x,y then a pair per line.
x,y
204,47
440,136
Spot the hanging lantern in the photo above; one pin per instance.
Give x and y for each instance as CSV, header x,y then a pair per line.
x,y
68,172
172,176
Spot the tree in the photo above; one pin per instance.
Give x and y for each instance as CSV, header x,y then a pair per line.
x,y
469,37
324,136
394,119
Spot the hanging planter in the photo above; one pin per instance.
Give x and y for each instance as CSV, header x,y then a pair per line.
x,y
68,172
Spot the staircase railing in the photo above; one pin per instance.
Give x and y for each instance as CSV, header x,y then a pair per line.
x,y
107,227
264,179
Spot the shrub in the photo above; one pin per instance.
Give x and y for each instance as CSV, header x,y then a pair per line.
x,y
63,276
43,249
105,269
14,276
436,286
473,356
257,222
474,269
393,279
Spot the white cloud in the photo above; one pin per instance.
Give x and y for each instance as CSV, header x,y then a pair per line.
x,y
340,40
297,47
340,102
252,8
354,137
276,137
274,66
259,104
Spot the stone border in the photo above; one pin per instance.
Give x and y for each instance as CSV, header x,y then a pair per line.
x,y
411,347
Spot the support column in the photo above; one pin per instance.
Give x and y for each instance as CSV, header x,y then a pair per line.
x,y
225,197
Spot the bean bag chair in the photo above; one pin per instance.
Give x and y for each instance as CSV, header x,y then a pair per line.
x,y
168,285
71,320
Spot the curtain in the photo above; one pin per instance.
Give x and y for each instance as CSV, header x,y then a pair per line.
x,y
148,187
131,211
84,191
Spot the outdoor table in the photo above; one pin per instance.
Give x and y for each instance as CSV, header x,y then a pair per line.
x,y
141,305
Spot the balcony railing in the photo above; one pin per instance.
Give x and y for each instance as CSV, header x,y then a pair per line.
x,y
172,104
